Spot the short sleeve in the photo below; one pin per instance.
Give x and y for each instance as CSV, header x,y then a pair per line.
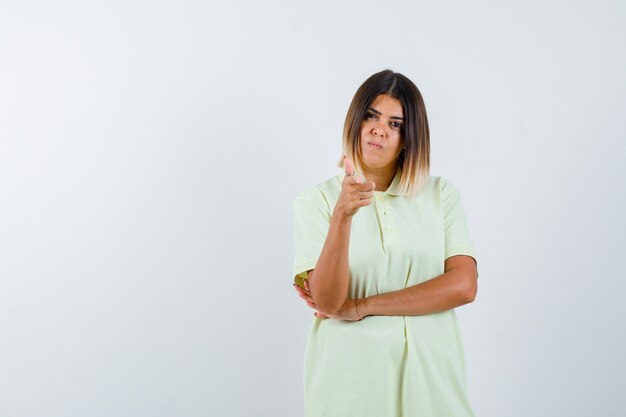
x,y
311,223
457,236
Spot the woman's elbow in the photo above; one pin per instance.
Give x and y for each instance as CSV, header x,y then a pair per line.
x,y
471,289
329,305
328,301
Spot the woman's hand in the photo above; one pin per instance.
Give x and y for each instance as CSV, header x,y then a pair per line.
x,y
348,310
354,194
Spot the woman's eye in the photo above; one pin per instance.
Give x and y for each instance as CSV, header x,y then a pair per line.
x,y
370,116
396,125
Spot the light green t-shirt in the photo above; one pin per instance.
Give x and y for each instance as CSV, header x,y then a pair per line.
x,y
386,366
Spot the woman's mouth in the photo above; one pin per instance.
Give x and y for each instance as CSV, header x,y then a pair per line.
x,y
374,145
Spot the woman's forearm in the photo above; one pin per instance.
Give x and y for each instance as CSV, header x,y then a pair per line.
x,y
329,281
449,290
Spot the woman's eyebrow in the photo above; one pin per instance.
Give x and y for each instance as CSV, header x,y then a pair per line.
x,y
373,110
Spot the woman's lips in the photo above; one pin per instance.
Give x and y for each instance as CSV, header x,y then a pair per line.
x,y
374,145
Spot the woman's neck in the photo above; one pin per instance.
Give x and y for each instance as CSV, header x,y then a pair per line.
x,y
382,177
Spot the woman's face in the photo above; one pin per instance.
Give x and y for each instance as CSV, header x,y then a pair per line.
x,y
380,138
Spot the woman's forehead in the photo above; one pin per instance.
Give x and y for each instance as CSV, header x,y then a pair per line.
x,y
388,106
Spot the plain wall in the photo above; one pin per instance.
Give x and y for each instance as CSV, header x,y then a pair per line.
x,y
150,153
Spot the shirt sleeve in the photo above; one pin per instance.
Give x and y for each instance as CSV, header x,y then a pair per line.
x,y
311,222
457,236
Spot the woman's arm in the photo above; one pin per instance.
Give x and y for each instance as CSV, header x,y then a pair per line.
x,y
455,287
328,282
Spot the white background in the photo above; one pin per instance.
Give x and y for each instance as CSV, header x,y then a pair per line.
x,y
150,152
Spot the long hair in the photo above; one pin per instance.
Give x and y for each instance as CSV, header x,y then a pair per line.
x,y
414,160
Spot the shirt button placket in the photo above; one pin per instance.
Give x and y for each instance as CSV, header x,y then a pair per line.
x,y
387,229
380,209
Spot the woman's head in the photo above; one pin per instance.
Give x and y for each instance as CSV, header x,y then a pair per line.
x,y
386,124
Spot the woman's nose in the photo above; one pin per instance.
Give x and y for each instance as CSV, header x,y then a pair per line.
x,y
378,129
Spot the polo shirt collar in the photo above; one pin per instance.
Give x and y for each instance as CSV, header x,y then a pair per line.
x,y
394,187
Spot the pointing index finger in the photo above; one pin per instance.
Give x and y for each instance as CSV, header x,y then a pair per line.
x,y
348,166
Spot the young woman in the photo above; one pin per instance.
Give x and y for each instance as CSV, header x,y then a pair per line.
x,y
383,254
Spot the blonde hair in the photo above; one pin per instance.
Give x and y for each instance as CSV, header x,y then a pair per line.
x,y
414,160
